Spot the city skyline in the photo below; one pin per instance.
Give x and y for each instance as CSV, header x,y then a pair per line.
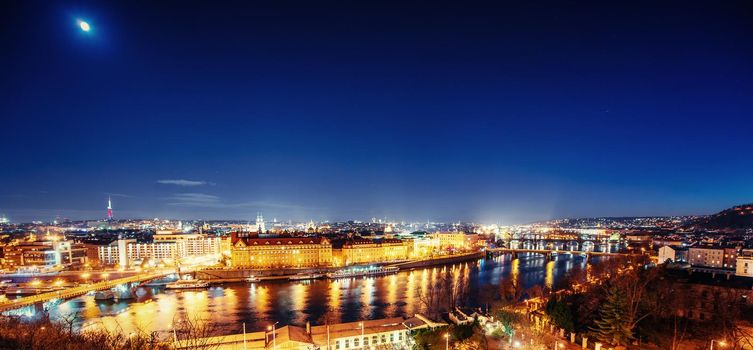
x,y
259,217
512,113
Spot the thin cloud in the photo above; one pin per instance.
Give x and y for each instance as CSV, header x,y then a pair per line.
x,y
118,195
195,200
203,200
184,182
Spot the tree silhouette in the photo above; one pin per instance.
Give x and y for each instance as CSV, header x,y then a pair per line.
x,y
612,326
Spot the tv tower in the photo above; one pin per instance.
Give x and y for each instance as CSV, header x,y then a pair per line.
x,y
109,208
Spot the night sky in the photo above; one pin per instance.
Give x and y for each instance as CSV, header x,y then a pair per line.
x,y
498,112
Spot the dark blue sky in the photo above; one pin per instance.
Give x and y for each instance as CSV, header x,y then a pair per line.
x,y
505,111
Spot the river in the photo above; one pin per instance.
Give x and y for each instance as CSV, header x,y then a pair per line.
x,y
259,304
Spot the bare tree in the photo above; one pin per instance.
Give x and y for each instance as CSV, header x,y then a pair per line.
x,y
44,334
431,298
195,333
511,292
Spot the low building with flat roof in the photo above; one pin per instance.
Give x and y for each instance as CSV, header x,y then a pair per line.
x,y
672,254
712,257
387,333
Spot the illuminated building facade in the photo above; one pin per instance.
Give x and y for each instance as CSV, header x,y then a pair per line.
x,y
191,244
44,254
360,251
166,247
744,266
456,240
672,254
388,333
706,257
249,251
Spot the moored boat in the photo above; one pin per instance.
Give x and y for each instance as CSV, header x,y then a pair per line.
x,y
104,295
305,276
187,284
363,271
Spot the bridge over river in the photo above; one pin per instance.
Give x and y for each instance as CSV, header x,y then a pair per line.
x,y
550,254
79,290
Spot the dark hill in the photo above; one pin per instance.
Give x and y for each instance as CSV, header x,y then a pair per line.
x,y
737,217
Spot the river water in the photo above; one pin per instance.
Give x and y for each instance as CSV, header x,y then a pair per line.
x,y
260,304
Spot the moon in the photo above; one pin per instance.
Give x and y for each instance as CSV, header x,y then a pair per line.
x,y
84,26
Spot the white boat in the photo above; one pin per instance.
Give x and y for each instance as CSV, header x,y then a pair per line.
x,y
29,290
363,271
251,279
104,295
187,284
305,276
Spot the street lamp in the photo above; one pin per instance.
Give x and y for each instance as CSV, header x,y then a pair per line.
x,y
244,335
175,335
363,345
447,341
721,343
557,345
274,335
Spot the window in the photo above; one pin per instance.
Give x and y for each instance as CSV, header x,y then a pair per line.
x,y
392,337
356,343
366,341
384,338
374,340
337,344
347,343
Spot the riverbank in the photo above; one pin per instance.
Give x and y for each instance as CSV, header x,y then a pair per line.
x,y
242,274
450,259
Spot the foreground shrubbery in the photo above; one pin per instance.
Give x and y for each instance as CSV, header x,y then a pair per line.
x,y
461,337
20,334
640,305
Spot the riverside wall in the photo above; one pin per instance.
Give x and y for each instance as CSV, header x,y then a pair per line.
x,y
445,260
240,274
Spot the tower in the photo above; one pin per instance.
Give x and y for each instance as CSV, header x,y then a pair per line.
x,y
109,208
260,227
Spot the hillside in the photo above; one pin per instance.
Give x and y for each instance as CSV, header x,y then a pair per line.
x,y
737,217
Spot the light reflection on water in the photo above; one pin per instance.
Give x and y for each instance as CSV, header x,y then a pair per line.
x,y
259,304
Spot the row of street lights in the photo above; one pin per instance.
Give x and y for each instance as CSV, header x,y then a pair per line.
x,y
722,343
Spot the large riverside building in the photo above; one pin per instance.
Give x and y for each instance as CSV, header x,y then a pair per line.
x,y
456,240
191,244
360,251
249,251
164,247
